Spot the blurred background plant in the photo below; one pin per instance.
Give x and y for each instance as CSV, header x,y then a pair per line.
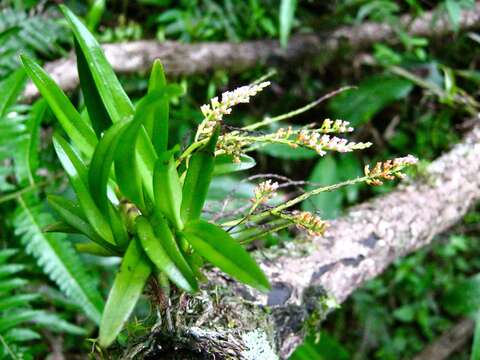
x,y
417,95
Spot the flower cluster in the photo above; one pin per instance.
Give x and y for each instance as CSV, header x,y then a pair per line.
x,y
264,192
214,111
335,127
388,170
314,140
313,224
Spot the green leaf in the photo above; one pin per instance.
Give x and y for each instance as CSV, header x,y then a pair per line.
x,y
93,249
113,95
454,12
27,160
329,203
93,102
167,189
323,347
198,178
81,134
287,14
95,13
77,173
17,301
73,215
128,171
126,290
163,251
101,165
475,355
464,297
373,94
157,121
225,164
10,90
218,247
57,259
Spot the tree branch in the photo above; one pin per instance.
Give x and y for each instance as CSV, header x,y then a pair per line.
x,y
187,59
449,342
310,277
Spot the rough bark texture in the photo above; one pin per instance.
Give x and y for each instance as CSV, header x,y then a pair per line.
x,y
189,59
450,341
310,277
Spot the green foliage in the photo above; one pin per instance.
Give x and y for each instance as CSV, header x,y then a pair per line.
x,y
287,14
35,35
57,258
119,126
20,321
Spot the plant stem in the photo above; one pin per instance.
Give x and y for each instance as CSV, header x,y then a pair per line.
x,y
299,199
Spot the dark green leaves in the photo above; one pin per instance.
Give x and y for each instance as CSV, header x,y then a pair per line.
x,y
96,110
116,101
82,135
218,247
197,181
127,288
373,94
162,249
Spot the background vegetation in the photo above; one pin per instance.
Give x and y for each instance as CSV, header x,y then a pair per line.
x,y
405,102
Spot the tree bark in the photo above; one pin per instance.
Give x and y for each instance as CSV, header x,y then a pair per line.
x,y
187,59
449,342
310,277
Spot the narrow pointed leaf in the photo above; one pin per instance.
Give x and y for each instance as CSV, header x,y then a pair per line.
x,y
96,109
127,288
113,95
128,171
160,250
81,134
77,173
197,180
101,165
167,189
218,247
73,215
157,122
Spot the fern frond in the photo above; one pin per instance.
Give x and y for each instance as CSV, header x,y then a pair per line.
x,y
16,311
20,33
57,258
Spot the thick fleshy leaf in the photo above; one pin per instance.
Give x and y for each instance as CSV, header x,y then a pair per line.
x,y
219,248
198,178
163,251
96,109
127,288
226,164
72,214
157,121
81,134
113,95
101,165
128,171
77,173
167,189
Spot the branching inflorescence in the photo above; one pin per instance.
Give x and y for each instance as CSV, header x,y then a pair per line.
x,y
139,199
